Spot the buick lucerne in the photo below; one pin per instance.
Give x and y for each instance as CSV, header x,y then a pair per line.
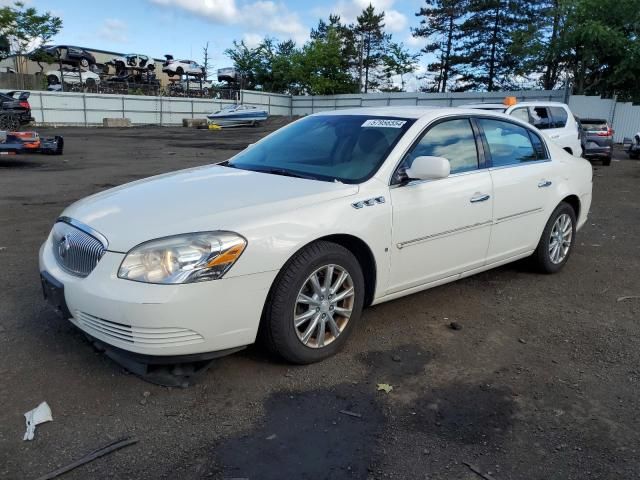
x,y
294,235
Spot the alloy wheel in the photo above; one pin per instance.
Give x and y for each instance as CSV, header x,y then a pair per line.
x,y
560,239
324,306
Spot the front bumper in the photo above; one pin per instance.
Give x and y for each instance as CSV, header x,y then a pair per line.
x,y
161,320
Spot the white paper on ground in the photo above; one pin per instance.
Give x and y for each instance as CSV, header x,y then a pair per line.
x,y
40,414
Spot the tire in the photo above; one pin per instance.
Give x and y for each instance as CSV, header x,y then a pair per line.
x,y
543,258
278,329
52,80
634,156
179,71
606,161
84,62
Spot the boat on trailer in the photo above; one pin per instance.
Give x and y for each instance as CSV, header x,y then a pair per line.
x,y
237,115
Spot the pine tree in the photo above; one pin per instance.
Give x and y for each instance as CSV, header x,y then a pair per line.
x,y
372,39
398,61
441,26
488,32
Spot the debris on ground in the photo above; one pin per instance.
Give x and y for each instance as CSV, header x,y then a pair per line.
x,y
271,437
384,387
351,414
628,297
145,395
40,414
478,472
522,340
455,326
110,448
396,358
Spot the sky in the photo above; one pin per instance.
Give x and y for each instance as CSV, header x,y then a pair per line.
x,y
183,27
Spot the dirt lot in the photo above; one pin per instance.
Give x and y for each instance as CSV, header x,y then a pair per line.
x,y
542,381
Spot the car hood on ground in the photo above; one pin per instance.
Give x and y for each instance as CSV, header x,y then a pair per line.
x,y
198,199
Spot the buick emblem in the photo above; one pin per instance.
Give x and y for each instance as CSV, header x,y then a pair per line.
x,y
64,244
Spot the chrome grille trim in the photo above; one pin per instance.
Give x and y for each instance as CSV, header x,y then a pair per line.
x,y
76,247
155,337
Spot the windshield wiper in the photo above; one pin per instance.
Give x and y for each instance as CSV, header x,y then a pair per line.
x,y
283,172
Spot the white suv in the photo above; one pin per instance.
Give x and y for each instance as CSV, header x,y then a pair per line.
x,y
553,118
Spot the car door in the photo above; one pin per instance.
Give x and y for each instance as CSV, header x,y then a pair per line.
x,y
523,177
441,227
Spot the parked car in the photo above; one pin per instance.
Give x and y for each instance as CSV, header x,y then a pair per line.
x,y
193,86
15,110
553,118
68,54
632,146
72,77
181,67
298,232
132,61
597,139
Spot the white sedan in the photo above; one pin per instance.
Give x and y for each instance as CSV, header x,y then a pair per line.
x,y
182,67
73,77
293,236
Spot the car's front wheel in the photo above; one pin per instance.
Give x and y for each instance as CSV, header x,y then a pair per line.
x,y
314,304
557,240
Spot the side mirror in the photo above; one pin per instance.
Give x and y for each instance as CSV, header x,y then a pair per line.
x,y
429,168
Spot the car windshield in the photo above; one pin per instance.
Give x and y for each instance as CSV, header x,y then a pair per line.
x,y
346,148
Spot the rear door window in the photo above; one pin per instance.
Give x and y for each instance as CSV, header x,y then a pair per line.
x,y
540,118
559,117
509,144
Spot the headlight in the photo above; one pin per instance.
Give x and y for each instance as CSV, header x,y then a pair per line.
x,y
194,257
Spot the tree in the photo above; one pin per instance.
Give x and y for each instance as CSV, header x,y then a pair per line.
x,y
488,31
22,28
246,62
372,39
205,64
349,50
320,69
398,61
441,26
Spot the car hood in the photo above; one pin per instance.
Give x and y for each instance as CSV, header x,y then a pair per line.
x,y
198,199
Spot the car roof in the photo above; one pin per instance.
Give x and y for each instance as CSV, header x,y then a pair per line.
x,y
412,112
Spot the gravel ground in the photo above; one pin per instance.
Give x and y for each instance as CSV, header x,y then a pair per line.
x,y
541,382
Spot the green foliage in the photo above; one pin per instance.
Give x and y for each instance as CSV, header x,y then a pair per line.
x,y
373,41
397,61
441,27
21,27
320,66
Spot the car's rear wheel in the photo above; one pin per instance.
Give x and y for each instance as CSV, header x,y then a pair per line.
x,y
179,71
556,243
84,62
606,161
52,80
314,304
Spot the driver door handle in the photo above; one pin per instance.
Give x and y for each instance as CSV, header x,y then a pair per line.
x,y
544,183
480,197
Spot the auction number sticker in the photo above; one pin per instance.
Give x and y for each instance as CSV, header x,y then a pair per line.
x,y
384,123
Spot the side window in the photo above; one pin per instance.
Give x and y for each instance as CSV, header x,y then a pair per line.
x,y
558,117
538,146
509,144
453,140
521,114
540,118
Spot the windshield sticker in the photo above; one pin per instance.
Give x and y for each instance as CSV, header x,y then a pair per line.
x,y
384,123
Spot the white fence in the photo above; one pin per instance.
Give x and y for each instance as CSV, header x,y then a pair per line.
x,y
305,105
87,109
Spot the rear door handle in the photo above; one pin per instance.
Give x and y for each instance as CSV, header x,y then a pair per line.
x,y
544,183
480,197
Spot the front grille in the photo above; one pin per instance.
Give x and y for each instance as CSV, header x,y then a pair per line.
x,y
76,251
158,337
